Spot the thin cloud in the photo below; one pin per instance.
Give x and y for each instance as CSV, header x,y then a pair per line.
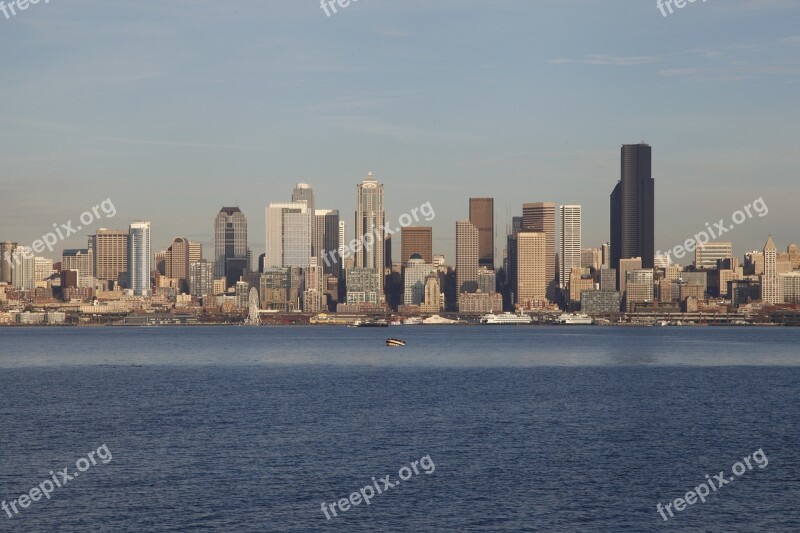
x,y
173,143
617,61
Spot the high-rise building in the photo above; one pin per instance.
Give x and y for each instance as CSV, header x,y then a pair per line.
x,y
466,257
541,217
110,250
638,287
606,254
43,268
481,215
6,260
487,279
790,282
569,242
23,274
707,255
770,283
369,232
288,230
416,272
532,273
592,258
326,234
201,278
754,263
416,240
139,258
82,261
303,192
231,254
633,208
625,265
608,279
177,259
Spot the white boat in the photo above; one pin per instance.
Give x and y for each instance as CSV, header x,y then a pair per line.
x,y
506,319
577,319
437,320
412,321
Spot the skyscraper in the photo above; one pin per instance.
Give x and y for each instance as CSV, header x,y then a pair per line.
x,y
370,220
81,261
231,254
326,233
481,215
6,260
303,192
633,208
541,217
467,239
707,255
110,250
288,230
771,292
569,241
532,261
177,259
416,240
139,258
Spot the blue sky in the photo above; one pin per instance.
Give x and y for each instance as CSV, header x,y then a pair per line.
x,y
173,109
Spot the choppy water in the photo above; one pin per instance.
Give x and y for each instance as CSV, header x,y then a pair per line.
x,y
530,429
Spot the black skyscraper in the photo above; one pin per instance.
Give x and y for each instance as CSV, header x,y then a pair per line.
x,y
633,208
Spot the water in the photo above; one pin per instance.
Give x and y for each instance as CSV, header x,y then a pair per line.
x,y
529,428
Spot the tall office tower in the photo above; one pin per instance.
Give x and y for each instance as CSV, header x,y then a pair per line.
x,y
417,271
370,220
231,254
633,208
706,256
177,259
139,258
195,252
541,217
416,240
313,289
481,214
467,246
82,261
23,275
625,265
304,192
511,257
110,250
794,256
288,230
43,268
569,241
201,278
6,260
771,292
606,254
532,267
327,232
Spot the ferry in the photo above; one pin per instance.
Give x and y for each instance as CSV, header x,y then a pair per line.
x,y
412,321
380,323
506,319
578,319
437,320
395,342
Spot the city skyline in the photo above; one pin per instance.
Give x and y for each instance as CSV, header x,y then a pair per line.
x,y
518,132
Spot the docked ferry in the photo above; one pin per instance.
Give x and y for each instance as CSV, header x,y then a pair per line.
x,y
577,319
506,319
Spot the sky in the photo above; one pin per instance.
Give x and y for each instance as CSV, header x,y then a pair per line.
x,y
173,109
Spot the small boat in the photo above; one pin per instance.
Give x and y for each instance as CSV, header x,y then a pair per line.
x,y
395,342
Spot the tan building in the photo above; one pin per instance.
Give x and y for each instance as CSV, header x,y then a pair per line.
x,y
625,266
466,257
790,283
480,303
580,280
532,278
638,286
110,254
707,255
691,290
416,240
665,290
433,295
541,217
770,287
